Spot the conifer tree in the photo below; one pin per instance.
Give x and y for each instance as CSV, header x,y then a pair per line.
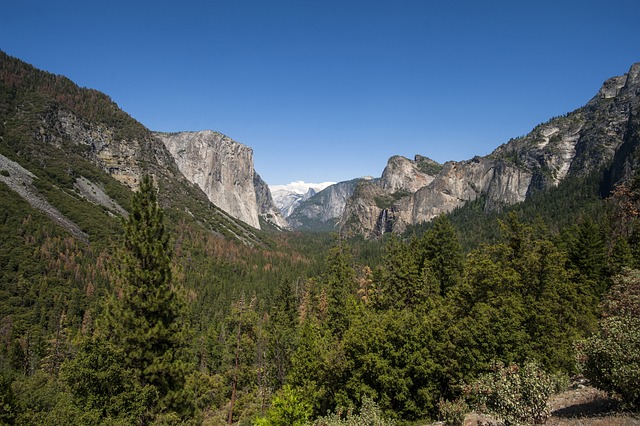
x,y
440,251
282,329
146,318
401,282
587,252
341,283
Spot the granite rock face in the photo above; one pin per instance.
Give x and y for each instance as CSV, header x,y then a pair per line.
x,y
323,210
223,169
120,158
266,206
590,138
402,174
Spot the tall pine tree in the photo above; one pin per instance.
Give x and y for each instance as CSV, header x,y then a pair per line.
x,y
146,319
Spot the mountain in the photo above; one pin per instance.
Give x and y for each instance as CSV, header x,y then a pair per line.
x,y
223,169
322,211
287,200
587,139
268,211
288,197
72,148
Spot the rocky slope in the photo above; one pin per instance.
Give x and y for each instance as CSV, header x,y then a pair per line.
x,y
322,211
223,169
288,200
78,143
267,209
587,139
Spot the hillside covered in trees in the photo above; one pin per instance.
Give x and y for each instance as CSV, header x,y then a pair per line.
x,y
173,314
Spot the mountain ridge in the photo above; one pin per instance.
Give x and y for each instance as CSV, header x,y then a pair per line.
x,y
65,134
571,145
51,114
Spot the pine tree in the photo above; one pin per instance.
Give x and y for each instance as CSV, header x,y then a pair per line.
x,y
587,252
340,279
146,318
439,250
401,281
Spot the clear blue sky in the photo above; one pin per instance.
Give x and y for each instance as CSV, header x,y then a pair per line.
x,y
328,90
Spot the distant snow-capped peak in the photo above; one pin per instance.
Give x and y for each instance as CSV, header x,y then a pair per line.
x,y
287,197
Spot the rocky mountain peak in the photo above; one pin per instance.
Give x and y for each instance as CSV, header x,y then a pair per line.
x,y
223,169
403,174
577,143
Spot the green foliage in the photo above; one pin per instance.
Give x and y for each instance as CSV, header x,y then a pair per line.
x,y
100,382
318,366
518,301
41,400
428,166
394,357
146,319
611,358
7,401
287,408
403,281
370,415
439,250
453,412
517,395
386,201
92,104
340,280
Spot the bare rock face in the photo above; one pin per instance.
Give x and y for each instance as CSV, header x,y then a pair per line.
x,y
402,174
585,140
266,207
323,210
122,159
221,167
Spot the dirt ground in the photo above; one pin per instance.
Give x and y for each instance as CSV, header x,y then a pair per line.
x,y
579,406
587,406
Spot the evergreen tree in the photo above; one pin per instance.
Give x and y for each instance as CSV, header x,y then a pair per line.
x,y
282,332
439,250
401,282
145,320
318,367
588,254
340,279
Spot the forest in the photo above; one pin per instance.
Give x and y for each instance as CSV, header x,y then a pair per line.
x,y
170,324
165,317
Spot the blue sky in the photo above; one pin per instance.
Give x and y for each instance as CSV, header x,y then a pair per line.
x,y
329,90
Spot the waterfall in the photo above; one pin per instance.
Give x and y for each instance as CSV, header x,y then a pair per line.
x,y
381,225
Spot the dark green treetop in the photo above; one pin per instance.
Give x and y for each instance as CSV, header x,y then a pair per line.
x,y
147,317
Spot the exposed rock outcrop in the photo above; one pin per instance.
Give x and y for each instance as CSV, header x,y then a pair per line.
x,y
20,180
266,207
402,174
223,169
220,166
322,211
287,200
573,145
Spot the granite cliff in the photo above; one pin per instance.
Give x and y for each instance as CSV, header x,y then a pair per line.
x,y
223,169
587,139
321,211
78,143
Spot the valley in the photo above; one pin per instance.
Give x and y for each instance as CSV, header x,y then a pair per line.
x,y
155,278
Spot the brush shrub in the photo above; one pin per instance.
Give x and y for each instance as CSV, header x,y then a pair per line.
x,y
453,412
515,394
611,358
